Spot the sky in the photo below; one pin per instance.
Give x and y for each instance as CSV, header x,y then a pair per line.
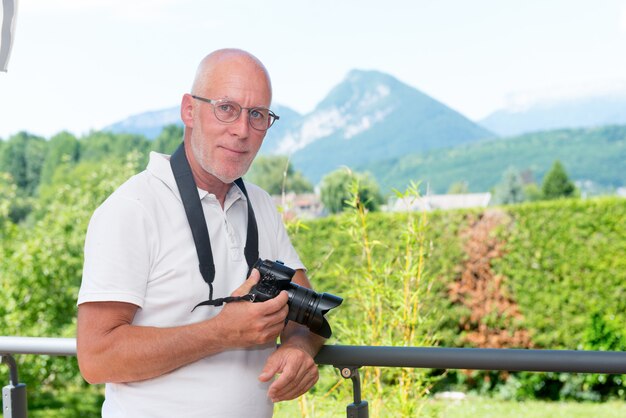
x,y
79,65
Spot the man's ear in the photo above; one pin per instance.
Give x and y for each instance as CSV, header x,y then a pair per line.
x,y
186,110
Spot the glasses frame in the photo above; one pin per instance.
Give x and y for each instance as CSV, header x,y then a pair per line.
x,y
272,116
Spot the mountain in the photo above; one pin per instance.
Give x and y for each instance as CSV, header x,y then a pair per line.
x,y
367,117
148,124
288,119
371,116
577,112
593,157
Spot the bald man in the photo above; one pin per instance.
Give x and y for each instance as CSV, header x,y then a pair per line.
x,y
138,331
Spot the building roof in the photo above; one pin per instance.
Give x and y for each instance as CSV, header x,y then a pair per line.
x,y
443,202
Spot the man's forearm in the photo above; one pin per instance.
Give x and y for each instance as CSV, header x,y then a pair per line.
x,y
111,349
132,353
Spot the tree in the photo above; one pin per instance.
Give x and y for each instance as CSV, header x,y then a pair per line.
x,y
63,148
336,190
510,190
169,139
40,273
459,187
556,183
532,192
275,174
100,145
7,198
22,157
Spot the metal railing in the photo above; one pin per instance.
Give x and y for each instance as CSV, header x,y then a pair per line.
x,y
35,345
348,359
607,362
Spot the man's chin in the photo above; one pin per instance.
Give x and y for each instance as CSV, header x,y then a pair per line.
x,y
227,175
228,179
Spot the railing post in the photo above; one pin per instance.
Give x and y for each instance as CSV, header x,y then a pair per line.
x,y
359,408
14,403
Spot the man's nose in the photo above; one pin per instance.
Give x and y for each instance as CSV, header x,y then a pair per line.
x,y
241,126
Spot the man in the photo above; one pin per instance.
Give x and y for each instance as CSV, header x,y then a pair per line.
x,y
138,331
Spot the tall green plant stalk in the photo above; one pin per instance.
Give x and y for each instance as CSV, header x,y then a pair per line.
x,y
384,306
384,316
415,288
368,296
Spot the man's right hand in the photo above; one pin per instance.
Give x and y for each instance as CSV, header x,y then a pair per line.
x,y
246,324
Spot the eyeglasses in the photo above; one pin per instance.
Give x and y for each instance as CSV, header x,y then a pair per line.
x,y
226,111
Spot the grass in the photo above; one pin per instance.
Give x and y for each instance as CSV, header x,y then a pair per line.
x,y
477,407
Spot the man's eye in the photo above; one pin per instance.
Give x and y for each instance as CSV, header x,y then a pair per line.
x,y
227,108
258,114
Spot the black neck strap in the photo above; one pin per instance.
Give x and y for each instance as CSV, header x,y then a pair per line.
x,y
195,215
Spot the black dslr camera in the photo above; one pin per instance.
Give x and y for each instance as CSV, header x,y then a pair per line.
x,y
306,307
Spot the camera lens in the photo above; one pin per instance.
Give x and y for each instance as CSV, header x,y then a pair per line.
x,y
308,308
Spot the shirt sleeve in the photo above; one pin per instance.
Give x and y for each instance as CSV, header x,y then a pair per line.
x,y
118,246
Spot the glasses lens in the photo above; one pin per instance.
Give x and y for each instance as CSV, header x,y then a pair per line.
x,y
227,111
260,118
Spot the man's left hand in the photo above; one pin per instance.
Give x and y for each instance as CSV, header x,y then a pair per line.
x,y
298,373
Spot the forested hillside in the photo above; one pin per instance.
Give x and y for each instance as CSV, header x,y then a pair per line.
x,y
595,154
592,157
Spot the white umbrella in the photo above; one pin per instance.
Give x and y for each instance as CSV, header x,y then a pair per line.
x,y
6,31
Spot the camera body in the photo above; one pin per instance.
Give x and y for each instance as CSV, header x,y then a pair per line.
x,y
306,307
275,277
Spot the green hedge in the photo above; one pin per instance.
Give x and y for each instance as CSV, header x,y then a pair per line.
x,y
566,262
564,266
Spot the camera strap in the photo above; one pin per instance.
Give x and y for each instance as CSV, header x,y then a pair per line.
x,y
220,301
195,216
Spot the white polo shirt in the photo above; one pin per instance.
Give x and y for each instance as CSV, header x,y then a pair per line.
x,y
139,249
